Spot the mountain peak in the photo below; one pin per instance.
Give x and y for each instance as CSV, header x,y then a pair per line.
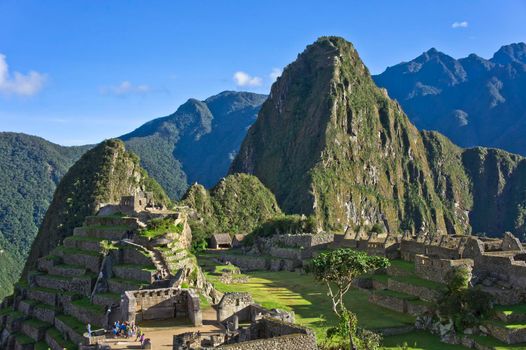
x,y
512,53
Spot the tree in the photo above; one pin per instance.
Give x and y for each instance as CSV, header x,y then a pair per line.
x,y
465,306
337,269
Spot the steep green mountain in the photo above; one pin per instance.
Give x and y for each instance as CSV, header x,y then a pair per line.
x,y
30,169
474,101
238,203
101,175
329,142
196,143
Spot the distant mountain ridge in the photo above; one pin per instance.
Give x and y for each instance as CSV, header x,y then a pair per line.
x,y
30,170
196,143
474,101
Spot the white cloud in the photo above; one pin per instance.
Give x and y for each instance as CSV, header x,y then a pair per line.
x,y
125,88
18,83
276,72
463,24
244,79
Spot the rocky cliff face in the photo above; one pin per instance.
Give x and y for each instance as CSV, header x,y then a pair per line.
x,y
331,143
101,175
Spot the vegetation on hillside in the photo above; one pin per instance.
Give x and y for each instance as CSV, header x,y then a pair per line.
x,y
237,204
102,175
328,142
30,169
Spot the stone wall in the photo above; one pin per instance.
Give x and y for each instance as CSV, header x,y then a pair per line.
x,y
164,303
247,262
437,269
234,304
134,273
286,342
410,248
306,240
270,333
424,293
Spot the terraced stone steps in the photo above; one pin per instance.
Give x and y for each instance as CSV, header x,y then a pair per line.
x,y
135,272
83,243
56,340
44,312
66,270
86,312
71,327
35,329
91,260
120,285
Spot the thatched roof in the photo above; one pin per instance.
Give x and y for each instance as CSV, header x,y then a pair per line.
x,y
222,238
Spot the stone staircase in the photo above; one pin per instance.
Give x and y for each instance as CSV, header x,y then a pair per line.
x,y
52,307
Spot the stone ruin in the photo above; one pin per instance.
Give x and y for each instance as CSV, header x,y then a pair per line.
x,y
279,252
160,304
267,329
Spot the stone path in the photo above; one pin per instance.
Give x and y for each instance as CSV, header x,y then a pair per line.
x,y
161,333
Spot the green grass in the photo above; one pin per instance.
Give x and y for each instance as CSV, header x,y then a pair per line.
x,y
136,283
308,299
507,325
42,345
497,344
23,339
152,233
378,277
55,334
74,251
404,265
148,268
420,282
33,322
85,303
16,315
114,296
84,239
73,323
397,295
511,309
417,340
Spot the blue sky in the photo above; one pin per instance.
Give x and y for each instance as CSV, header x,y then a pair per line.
x,y
77,72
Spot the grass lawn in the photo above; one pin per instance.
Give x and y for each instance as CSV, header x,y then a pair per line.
x,y
404,265
511,309
308,299
420,282
496,344
417,340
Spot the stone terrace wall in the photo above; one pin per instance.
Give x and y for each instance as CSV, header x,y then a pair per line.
x,y
286,342
437,269
410,248
306,240
508,269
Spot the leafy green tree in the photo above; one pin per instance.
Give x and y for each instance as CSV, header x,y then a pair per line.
x,y
338,269
465,306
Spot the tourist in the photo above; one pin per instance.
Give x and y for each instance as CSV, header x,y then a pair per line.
x,y
141,339
89,330
139,333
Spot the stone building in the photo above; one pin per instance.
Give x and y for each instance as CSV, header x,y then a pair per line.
x,y
159,304
220,240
